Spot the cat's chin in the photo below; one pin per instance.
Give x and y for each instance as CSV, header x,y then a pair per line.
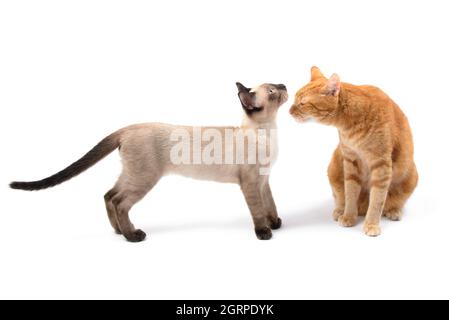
x,y
304,120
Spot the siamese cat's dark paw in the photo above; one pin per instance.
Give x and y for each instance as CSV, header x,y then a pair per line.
x,y
264,233
277,224
136,236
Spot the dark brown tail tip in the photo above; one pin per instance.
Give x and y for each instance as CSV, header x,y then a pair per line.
x,y
20,186
14,185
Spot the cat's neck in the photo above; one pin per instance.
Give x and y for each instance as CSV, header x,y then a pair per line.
x,y
251,124
351,110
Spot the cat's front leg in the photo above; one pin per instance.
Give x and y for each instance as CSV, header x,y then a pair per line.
x,y
270,206
353,188
335,173
251,187
381,175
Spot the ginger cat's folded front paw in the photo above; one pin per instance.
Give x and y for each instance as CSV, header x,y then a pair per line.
x,y
337,214
372,230
393,215
347,221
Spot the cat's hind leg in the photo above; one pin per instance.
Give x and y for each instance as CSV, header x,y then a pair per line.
x,y
110,208
398,196
123,201
130,190
335,174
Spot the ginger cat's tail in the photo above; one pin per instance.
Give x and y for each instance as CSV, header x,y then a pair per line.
x,y
100,151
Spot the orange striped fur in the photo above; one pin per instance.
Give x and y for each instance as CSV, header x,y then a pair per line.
x,y
372,171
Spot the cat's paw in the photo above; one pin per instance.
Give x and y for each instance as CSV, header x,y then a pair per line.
x,y
347,221
277,224
393,215
372,230
337,214
264,233
136,236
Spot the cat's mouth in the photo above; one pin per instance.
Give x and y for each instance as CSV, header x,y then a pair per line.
x,y
283,98
298,115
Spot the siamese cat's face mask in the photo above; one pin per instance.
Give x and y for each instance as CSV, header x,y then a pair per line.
x,y
261,103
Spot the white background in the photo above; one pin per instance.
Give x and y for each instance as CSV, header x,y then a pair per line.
x,y
72,72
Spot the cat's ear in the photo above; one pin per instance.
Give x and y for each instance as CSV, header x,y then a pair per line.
x,y
333,85
242,88
316,74
246,96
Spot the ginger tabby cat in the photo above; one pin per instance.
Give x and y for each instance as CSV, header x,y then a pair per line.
x,y
372,171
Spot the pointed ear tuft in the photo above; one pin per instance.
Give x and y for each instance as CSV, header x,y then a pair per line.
x,y
333,85
242,88
316,74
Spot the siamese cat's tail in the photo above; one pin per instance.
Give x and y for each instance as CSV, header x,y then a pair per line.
x,y
100,151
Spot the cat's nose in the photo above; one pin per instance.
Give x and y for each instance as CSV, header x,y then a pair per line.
x,y
292,109
281,87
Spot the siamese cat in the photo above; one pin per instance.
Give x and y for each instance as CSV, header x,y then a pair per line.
x,y
151,151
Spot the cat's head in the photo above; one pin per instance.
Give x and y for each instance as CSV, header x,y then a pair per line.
x,y
262,103
318,99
